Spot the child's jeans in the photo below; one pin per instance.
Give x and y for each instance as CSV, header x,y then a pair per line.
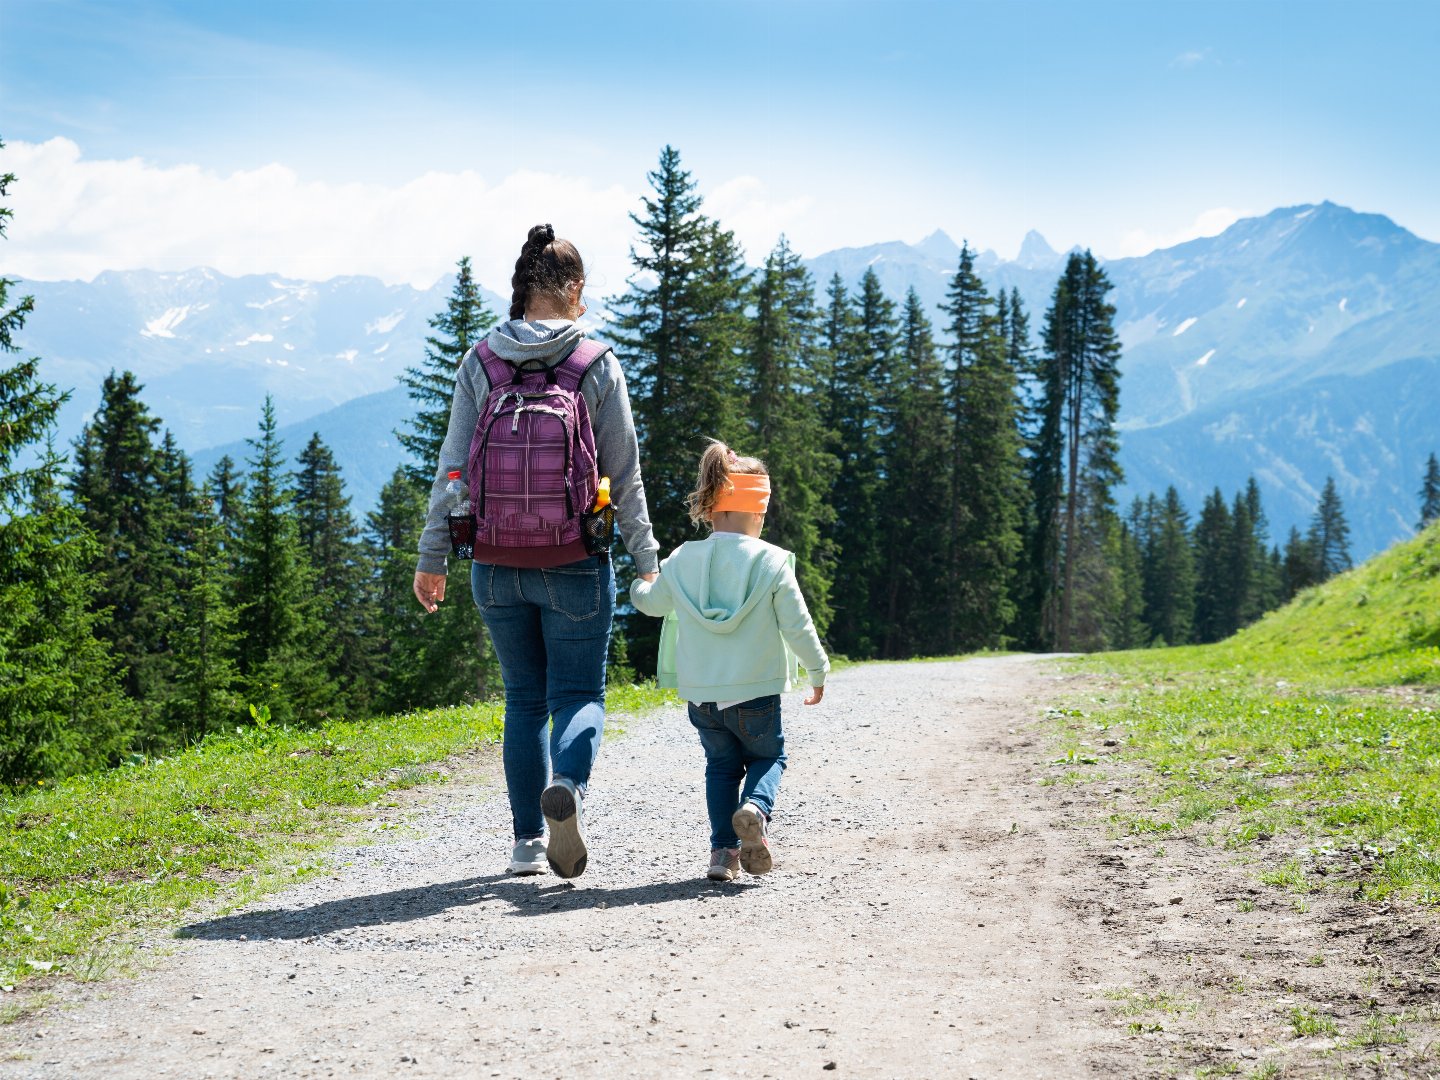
x,y
742,743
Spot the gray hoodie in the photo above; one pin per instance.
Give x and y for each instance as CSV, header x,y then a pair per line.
x,y
616,450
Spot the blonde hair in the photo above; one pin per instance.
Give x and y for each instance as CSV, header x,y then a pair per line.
x,y
717,463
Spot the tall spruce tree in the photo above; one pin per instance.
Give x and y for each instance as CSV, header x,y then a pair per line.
x,y
1214,605
787,422
118,483
986,475
1329,535
62,709
1430,492
1299,568
1170,574
283,640
918,461
339,567
201,625
861,343
431,384
681,327
1082,371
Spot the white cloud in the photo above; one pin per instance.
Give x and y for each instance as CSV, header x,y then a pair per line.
x,y
1210,223
744,205
76,217
1190,58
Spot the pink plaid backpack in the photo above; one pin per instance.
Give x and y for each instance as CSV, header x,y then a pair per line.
x,y
531,470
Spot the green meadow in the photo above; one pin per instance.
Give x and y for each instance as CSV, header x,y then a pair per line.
x,y
93,863
1310,739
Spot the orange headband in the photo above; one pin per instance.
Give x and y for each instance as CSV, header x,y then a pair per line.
x,y
749,493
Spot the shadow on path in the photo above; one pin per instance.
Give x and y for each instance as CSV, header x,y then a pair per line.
x,y
525,896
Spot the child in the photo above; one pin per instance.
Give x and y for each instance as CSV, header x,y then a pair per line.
x,y
734,624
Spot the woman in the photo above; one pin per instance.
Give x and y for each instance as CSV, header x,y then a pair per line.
x,y
550,625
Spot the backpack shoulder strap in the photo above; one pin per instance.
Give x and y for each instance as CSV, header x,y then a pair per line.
x,y
571,371
498,371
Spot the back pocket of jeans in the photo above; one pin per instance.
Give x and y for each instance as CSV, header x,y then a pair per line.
x,y
573,593
757,723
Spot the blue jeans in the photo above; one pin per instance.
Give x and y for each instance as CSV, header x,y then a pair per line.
x,y
742,743
551,630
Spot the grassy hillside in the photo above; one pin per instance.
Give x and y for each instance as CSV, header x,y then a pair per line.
x,y
1308,740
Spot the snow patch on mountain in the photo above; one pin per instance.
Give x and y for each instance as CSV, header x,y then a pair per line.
x,y
348,355
165,325
1241,304
1343,301
1185,326
385,323
254,338
1205,359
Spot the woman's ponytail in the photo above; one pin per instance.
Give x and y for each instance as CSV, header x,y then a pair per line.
x,y
546,265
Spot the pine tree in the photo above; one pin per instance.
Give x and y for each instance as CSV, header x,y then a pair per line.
x,y
1127,629
786,422
62,709
986,475
201,626
118,485
1265,594
431,385
1329,535
1243,571
681,327
282,638
338,565
918,460
227,491
1170,576
861,346
1299,567
1213,596
1080,396
402,624
1026,370
1430,493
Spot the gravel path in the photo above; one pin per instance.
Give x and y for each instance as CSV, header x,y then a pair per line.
x,y
933,912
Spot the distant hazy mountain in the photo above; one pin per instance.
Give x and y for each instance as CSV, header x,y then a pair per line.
x,y
208,347
1293,346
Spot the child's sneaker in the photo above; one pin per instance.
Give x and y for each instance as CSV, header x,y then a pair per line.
x,y
755,855
724,864
566,852
528,857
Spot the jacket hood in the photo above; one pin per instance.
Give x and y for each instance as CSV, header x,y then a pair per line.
x,y
546,341
704,582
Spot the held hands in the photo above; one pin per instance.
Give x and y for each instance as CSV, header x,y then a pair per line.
x,y
429,590
816,693
649,579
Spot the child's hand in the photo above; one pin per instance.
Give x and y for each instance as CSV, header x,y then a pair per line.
x,y
816,693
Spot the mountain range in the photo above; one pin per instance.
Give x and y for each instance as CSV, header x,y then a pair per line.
x,y
1294,346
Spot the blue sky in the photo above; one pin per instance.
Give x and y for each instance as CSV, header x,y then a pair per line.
x,y
385,137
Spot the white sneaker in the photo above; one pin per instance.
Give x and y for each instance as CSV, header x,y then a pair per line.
x,y
528,856
724,864
566,852
755,855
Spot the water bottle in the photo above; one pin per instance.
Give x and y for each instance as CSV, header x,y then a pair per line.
x,y
462,522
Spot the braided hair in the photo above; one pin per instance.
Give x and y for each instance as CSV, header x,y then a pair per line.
x,y
547,266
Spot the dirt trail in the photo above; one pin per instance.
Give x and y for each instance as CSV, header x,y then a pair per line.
x,y
935,911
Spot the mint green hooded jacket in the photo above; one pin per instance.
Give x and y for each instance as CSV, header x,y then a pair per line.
x,y
736,626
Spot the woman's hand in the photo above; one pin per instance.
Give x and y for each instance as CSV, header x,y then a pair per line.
x,y
816,693
429,590
649,579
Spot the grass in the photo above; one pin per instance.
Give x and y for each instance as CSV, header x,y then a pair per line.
x,y
1310,738
94,859
1308,1022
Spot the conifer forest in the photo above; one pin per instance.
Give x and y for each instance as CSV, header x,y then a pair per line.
x,y
944,478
